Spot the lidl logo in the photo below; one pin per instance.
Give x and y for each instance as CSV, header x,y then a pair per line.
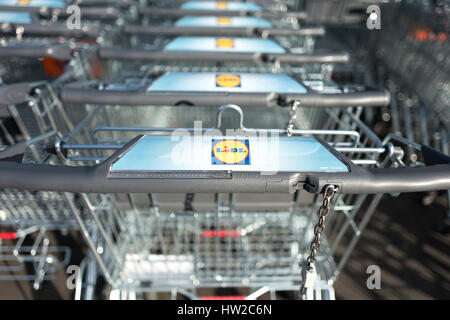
x,y
23,2
223,20
228,81
224,43
221,5
230,152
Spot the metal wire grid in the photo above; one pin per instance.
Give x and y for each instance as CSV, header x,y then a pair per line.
x,y
140,237
212,249
41,114
37,262
44,113
416,72
415,46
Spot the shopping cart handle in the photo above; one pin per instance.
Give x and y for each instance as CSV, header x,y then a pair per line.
x,y
435,175
91,12
217,31
153,55
100,12
368,98
47,12
14,93
371,98
175,12
61,52
285,2
52,30
100,179
117,3
304,31
383,180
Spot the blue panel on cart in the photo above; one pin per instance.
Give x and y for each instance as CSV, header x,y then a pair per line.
x,y
15,17
235,22
227,82
250,154
213,44
34,3
220,5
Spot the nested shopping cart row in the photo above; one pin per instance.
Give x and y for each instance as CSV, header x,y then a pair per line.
x,y
187,168
156,242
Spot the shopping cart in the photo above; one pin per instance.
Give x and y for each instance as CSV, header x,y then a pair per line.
x,y
52,10
35,56
321,11
219,8
194,50
44,112
35,49
415,45
218,88
49,21
231,234
17,22
161,232
158,23
248,55
29,220
32,48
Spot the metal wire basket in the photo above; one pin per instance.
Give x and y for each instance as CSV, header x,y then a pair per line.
x,y
41,256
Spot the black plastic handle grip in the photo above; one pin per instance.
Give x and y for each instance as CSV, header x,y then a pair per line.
x,y
152,55
61,52
216,99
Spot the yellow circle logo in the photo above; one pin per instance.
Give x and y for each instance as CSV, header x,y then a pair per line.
x,y
224,20
23,2
228,81
225,43
230,151
221,5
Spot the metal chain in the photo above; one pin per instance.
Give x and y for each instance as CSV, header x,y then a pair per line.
x,y
292,117
324,210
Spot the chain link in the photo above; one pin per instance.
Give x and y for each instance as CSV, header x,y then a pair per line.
x,y
292,117
324,210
